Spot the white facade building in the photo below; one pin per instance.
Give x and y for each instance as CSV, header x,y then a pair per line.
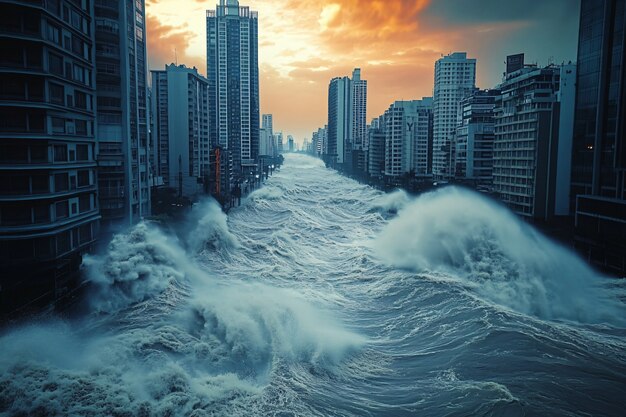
x,y
455,78
408,127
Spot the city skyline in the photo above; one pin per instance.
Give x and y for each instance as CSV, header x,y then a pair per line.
x,y
397,57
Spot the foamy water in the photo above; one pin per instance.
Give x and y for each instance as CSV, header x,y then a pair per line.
x,y
321,296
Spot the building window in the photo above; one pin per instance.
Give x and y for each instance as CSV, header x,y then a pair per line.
x,y
82,152
62,210
84,203
55,63
60,151
58,126
61,182
83,178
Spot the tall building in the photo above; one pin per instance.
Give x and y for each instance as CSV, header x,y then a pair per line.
x,y
181,129
359,109
455,78
599,150
347,125
408,138
376,148
48,206
291,143
533,122
122,126
268,123
278,140
339,120
233,74
474,138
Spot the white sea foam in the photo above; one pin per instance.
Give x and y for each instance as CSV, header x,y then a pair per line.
x,y
508,262
392,202
138,264
208,228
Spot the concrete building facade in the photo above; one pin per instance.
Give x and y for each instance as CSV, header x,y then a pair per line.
x,y
531,124
181,129
455,78
122,107
233,74
474,139
48,181
408,137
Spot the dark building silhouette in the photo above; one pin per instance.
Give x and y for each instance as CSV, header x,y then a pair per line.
x,y
598,190
48,204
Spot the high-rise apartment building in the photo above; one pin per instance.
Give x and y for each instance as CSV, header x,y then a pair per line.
x,y
233,74
408,137
48,205
347,122
339,120
474,138
181,129
598,193
359,109
290,143
122,106
533,122
376,148
455,78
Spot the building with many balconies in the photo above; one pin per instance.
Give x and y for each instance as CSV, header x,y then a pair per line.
x,y
48,198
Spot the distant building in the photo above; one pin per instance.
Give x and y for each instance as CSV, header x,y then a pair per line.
x,y
376,148
181,129
474,138
533,119
455,78
347,108
233,74
598,192
408,138
278,139
359,110
339,120
122,107
48,205
267,144
291,143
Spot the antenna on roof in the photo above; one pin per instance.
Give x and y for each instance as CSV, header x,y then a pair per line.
x,y
175,56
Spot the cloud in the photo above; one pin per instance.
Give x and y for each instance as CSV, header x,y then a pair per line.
x,y
168,42
304,43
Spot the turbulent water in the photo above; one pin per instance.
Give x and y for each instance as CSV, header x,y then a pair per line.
x,y
320,296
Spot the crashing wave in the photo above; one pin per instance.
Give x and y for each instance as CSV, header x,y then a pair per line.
x,y
505,260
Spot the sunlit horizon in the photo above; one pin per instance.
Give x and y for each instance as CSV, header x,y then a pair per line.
x,y
303,44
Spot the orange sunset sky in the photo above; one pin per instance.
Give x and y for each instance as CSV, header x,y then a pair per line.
x,y
304,43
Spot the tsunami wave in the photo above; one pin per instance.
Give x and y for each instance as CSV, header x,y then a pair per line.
x,y
464,235
321,296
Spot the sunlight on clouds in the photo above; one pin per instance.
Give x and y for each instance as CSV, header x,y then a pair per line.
x,y
328,14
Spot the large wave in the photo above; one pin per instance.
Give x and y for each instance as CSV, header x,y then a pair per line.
x,y
164,337
465,235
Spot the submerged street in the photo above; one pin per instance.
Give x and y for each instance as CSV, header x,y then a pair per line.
x,y
320,296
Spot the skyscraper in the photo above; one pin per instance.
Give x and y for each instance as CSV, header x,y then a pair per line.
x,y
48,206
122,125
359,109
455,78
599,148
233,74
347,119
182,154
339,120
